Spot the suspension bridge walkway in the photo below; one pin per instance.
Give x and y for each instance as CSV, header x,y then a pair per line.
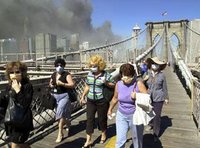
x,y
180,118
178,129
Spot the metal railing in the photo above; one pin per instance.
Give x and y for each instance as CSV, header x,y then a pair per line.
x,y
196,103
192,87
43,117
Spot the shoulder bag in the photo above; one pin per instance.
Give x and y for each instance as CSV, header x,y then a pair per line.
x,y
108,92
16,115
73,95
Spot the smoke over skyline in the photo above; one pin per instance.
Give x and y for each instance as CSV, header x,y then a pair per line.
x,y
20,18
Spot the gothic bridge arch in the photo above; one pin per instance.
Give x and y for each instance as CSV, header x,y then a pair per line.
x,y
170,28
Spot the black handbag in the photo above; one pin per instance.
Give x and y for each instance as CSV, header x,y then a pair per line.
x,y
2,114
16,115
48,100
108,92
73,95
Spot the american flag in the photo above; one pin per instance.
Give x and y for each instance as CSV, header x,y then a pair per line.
x,y
164,13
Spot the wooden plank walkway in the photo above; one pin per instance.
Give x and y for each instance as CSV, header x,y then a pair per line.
x,y
178,128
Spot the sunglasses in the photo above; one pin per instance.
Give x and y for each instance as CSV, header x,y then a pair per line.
x,y
15,72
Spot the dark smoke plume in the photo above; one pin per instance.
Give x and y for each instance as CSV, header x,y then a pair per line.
x,y
25,18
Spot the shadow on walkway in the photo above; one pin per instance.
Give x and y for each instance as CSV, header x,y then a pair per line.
x,y
148,139
165,123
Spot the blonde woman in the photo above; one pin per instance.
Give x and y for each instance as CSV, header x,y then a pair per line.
x,y
96,102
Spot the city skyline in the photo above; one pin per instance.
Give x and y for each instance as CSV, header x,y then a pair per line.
x,y
95,21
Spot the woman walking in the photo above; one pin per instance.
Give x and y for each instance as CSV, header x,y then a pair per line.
x,y
124,95
96,102
61,82
157,88
19,92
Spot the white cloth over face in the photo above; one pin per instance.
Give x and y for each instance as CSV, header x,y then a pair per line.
x,y
143,112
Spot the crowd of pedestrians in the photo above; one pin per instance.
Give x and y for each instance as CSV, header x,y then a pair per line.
x,y
152,81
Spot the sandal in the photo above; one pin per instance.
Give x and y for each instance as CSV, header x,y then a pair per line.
x,y
87,145
102,141
59,138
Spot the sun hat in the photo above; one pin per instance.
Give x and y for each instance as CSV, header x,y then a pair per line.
x,y
156,60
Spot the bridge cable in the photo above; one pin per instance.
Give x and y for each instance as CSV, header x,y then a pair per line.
x,y
192,30
143,55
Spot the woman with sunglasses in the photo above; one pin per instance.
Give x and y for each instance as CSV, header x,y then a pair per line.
x,y
124,95
61,82
20,90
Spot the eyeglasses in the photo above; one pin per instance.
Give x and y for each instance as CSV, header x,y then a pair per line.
x,y
15,72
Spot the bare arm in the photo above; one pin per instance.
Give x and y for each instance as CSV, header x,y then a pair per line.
x,y
110,84
114,100
70,83
85,92
141,87
51,83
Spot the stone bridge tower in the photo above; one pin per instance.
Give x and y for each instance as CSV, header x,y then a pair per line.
x,y
170,28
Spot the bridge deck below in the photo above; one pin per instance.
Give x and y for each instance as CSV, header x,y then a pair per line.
x,y
178,128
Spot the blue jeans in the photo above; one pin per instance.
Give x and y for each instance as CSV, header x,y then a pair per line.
x,y
123,124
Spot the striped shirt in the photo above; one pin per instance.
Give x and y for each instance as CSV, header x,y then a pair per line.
x,y
96,85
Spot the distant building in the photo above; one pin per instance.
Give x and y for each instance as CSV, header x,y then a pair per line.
x,y
74,42
31,47
63,45
85,45
74,46
9,48
13,49
23,45
45,44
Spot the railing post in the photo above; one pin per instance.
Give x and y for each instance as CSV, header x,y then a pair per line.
x,y
81,58
192,98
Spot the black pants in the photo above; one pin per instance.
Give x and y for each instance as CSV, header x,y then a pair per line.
x,y
101,107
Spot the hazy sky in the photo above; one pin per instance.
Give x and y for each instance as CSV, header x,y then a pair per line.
x,y
124,14
94,20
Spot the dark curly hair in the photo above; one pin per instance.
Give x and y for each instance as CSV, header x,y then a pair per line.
x,y
127,70
61,61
